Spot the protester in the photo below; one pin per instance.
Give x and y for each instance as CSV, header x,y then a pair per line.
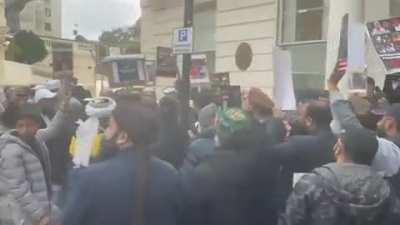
x,y
79,92
15,98
387,159
90,133
270,130
49,99
346,192
25,166
303,153
172,143
132,187
235,185
203,147
389,126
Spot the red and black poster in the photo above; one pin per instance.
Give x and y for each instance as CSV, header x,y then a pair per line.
x,y
385,35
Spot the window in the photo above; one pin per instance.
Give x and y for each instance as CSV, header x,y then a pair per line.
x,y
394,8
47,26
48,12
302,20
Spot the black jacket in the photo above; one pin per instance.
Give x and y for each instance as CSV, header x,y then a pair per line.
x,y
302,154
231,188
104,193
269,132
347,194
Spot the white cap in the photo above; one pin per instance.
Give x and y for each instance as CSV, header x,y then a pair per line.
x,y
53,85
43,94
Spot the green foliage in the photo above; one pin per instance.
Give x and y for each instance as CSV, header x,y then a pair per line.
x,y
26,47
126,38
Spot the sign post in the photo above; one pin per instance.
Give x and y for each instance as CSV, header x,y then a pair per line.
x,y
183,41
184,44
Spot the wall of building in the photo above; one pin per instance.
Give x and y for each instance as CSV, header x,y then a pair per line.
x,y
3,31
254,22
158,24
43,17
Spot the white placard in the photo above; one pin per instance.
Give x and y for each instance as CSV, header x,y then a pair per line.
x,y
284,88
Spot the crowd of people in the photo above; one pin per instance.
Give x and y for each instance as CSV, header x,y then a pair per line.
x,y
125,158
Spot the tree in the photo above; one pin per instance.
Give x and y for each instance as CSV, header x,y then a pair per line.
x,y
126,38
13,9
26,47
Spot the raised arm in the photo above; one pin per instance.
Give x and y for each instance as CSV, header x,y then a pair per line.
x,y
342,112
64,119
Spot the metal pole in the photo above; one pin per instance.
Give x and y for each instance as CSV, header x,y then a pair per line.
x,y
184,86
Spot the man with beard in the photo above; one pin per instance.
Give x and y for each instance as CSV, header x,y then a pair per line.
x,y
346,192
389,126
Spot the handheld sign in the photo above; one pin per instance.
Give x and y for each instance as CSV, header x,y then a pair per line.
x,y
341,66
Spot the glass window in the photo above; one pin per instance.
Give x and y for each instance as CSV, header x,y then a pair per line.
x,y
302,20
308,72
48,12
47,26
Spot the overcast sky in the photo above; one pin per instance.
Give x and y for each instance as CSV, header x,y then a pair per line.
x,y
95,16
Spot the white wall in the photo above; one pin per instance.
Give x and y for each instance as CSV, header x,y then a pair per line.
x,y
254,22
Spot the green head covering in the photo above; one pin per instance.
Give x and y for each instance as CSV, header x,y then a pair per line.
x,y
232,120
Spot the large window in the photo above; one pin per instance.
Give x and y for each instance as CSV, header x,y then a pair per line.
x,y
302,21
48,12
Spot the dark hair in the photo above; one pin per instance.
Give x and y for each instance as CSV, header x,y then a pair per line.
x,y
169,109
320,113
138,119
260,102
360,145
203,98
30,111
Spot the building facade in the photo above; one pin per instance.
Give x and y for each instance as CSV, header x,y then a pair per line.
x,y
74,56
309,29
43,17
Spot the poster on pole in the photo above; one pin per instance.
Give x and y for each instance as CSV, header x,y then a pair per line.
x,y
166,62
385,36
284,88
199,72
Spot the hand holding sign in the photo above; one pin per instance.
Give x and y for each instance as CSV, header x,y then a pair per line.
x,y
341,66
337,74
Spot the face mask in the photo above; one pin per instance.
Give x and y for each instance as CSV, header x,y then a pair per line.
x,y
109,146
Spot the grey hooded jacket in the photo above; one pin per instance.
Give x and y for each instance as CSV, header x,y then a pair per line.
x,y
387,159
348,194
24,178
